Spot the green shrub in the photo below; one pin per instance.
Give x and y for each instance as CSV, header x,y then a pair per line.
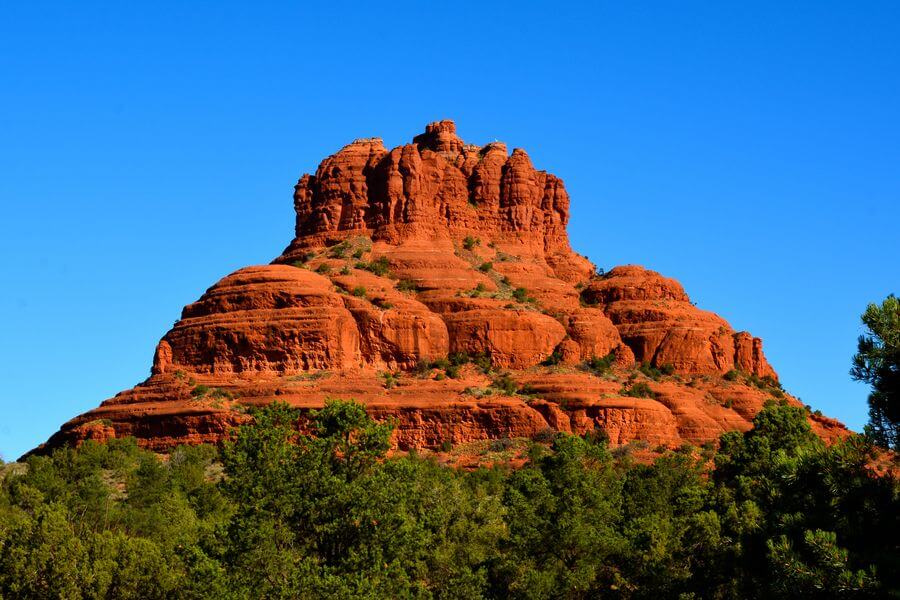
x,y
482,360
323,269
303,259
425,367
553,359
656,373
359,291
380,266
600,366
407,285
390,379
521,295
338,251
505,384
459,358
358,253
486,267
638,390
732,375
470,242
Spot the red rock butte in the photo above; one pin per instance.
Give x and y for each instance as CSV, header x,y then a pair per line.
x,y
435,249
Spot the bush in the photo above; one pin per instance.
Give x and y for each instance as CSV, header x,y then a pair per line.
x,y
303,259
732,375
338,251
486,267
600,366
656,373
406,285
553,359
505,384
359,291
390,379
521,295
597,436
380,266
323,269
201,391
425,367
470,242
638,390
482,360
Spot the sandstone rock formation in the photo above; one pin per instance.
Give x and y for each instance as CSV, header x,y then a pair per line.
x,y
438,249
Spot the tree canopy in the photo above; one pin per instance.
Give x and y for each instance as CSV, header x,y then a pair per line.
x,y
277,514
877,362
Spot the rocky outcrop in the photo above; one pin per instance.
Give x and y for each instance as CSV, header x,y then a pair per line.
x,y
657,320
439,249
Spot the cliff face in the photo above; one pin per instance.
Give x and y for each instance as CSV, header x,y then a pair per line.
x,y
405,257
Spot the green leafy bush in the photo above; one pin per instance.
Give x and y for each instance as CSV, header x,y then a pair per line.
x,y
638,390
656,373
379,266
600,366
406,285
521,295
554,358
505,384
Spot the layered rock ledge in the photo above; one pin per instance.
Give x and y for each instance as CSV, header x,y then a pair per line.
x,y
417,277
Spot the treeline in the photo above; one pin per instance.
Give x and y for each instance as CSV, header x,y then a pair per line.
x,y
275,514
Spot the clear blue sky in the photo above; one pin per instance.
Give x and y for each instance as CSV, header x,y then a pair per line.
x,y
751,150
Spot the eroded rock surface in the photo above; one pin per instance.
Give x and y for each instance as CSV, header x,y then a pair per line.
x,y
439,249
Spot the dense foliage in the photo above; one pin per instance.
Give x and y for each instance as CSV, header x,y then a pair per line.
x,y
877,362
276,514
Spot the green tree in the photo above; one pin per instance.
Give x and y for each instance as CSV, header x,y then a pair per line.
x,y
563,511
877,362
816,568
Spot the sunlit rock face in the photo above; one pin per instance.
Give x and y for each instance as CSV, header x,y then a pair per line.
x,y
440,249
